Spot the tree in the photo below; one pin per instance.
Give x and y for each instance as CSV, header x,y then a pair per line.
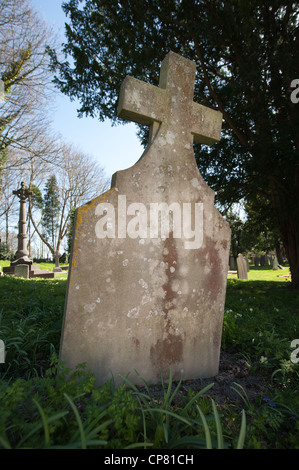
x,y
26,79
77,179
51,210
247,56
260,229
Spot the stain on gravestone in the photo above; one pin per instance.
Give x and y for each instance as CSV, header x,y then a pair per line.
x,y
148,270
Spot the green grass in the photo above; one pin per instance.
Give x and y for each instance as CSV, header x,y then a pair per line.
x,y
4,263
44,405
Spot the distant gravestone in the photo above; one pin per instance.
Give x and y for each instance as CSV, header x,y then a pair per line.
x,y
148,269
256,261
22,270
242,267
275,263
232,262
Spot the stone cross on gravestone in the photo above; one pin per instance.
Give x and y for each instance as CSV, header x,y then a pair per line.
x,y
148,269
21,256
171,104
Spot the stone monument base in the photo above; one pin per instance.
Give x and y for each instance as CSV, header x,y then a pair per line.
x,y
34,271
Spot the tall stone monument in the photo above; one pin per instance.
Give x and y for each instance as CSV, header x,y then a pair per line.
x,y
21,261
148,269
21,256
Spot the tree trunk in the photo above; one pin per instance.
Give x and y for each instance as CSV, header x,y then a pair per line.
x,y
288,220
279,253
7,231
56,258
291,243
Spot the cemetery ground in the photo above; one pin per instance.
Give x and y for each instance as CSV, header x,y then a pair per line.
x,y
253,402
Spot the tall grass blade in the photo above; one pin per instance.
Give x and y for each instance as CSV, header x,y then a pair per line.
x,y
5,444
167,395
201,392
170,413
165,429
45,423
218,426
143,397
206,429
79,421
39,426
243,395
242,434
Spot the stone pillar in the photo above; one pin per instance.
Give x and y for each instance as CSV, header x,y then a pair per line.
x,y
21,256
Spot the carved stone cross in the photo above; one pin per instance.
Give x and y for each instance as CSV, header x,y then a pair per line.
x,y
171,104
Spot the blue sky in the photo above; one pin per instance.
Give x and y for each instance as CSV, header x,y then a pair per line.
x,y
114,148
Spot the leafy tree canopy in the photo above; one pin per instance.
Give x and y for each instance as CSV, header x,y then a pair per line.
x,y
247,56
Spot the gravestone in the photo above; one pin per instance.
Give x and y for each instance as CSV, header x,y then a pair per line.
x,y
22,270
148,268
256,261
232,262
242,267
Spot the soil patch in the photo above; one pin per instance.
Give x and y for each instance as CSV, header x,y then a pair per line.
x,y
232,370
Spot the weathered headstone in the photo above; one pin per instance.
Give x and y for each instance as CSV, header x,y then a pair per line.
x,y
242,267
232,262
275,263
22,270
148,270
